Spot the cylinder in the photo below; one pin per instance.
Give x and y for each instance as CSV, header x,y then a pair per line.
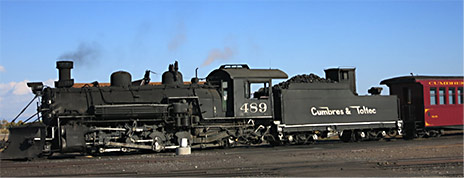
x,y
178,108
121,79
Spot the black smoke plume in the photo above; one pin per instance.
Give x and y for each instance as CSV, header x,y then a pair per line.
x,y
84,54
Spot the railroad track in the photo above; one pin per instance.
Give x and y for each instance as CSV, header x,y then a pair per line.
x,y
442,166
422,161
328,158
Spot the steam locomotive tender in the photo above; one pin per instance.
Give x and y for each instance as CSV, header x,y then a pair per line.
x,y
222,111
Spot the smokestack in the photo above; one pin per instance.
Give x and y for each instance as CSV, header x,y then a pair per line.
x,y
64,74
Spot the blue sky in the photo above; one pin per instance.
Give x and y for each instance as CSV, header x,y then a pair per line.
x,y
382,39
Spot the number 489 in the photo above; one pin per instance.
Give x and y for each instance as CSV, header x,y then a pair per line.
x,y
254,107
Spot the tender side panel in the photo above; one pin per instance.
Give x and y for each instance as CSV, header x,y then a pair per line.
x,y
340,108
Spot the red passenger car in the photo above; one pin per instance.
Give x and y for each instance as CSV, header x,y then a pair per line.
x,y
429,104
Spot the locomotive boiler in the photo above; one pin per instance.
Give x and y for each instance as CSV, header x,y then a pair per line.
x,y
225,110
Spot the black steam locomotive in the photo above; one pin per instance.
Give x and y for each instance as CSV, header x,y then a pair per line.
x,y
224,110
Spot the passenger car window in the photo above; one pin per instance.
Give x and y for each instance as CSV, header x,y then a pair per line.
x,y
441,92
451,95
460,98
433,96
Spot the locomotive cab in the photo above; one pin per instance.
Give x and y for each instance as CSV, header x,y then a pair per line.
x,y
245,92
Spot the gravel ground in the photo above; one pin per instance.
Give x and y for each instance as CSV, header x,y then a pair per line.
x,y
421,157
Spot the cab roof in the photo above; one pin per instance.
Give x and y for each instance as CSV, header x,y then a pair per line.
x,y
235,71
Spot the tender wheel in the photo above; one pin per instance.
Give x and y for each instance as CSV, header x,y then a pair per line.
x,y
392,133
361,135
373,135
346,136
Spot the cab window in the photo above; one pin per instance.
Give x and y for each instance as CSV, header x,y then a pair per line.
x,y
257,90
224,95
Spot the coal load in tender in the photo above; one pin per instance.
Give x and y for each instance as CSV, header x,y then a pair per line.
x,y
311,78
